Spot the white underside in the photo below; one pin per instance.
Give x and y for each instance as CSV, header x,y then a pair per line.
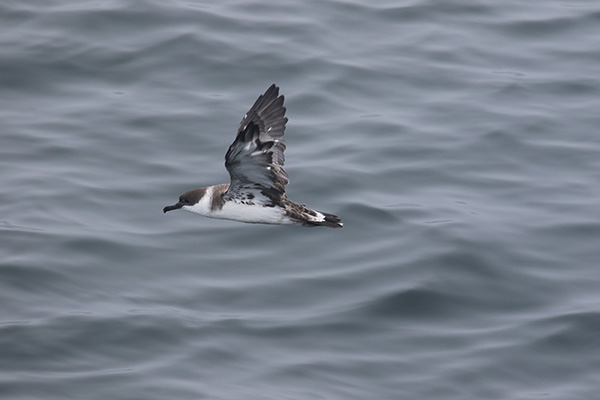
x,y
239,212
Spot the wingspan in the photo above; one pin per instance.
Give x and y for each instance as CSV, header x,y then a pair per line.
x,y
255,158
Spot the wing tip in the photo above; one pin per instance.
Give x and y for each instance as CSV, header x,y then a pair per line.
x,y
271,93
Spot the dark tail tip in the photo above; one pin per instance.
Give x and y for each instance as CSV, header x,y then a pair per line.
x,y
308,217
331,221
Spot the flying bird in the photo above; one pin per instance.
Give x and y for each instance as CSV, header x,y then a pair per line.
x,y
256,192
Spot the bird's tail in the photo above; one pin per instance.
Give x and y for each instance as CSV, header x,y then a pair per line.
x,y
320,218
332,221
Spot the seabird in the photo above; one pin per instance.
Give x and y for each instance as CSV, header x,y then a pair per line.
x,y
256,193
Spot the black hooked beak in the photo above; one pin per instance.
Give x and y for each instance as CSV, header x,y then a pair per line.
x,y
173,207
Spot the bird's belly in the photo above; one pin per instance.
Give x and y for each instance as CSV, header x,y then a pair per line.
x,y
251,213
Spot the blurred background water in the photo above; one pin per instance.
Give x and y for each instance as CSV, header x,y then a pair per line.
x,y
458,141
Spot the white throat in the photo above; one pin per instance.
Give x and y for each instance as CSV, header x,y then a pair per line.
x,y
203,206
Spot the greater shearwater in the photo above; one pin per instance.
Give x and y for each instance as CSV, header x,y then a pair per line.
x,y
256,193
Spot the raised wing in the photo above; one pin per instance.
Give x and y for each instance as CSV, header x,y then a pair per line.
x,y
255,159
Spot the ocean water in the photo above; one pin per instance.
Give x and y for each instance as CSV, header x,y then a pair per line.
x,y
459,141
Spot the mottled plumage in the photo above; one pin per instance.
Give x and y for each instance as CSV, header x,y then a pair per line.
x,y
255,160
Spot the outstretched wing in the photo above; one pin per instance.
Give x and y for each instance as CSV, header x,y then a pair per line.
x,y
255,159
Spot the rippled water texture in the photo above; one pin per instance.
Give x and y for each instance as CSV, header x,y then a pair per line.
x,y
458,141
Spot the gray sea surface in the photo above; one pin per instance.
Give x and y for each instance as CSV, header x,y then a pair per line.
x,y
459,141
